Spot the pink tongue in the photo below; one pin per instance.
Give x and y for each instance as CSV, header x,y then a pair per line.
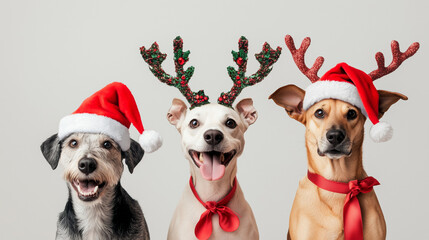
x,y
212,169
87,186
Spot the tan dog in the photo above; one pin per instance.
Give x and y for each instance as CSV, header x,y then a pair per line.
x,y
333,138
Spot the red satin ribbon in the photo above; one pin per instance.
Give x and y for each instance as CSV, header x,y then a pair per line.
x,y
352,215
228,219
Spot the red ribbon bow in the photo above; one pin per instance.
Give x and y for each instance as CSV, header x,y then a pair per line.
x,y
352,216
228,219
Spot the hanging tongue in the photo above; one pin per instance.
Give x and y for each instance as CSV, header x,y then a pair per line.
x,y
212,169
87,186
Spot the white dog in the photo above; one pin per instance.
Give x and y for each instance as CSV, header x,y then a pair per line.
x,y
212,140
213,205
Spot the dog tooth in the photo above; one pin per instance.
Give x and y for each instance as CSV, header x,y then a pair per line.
x,y
201,157
222,158
95,189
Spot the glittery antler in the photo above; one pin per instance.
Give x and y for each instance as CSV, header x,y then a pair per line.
x,y
267,57
398,58
154,58
298,57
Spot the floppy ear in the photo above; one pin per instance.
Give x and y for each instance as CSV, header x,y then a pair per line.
x,y
290,97
177,110
247,111
51,150
387,99
133,155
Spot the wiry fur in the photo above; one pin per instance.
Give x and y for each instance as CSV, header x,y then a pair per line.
x,y
114,214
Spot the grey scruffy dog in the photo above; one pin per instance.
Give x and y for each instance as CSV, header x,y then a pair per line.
x,y
90,145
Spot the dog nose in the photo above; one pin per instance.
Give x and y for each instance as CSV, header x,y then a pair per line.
x,y
213,137
335,137
87,165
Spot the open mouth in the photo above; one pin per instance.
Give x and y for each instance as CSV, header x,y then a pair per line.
x,y
87,189
212,164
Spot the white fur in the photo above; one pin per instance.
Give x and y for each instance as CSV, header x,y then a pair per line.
x,y
327,89
381,132
93,123
93,216
189,210
150,141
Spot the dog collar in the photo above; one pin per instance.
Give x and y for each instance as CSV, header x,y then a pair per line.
x,y
228,219
352,215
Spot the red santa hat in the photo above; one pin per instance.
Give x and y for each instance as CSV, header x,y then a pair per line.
x,y
354,86
110,111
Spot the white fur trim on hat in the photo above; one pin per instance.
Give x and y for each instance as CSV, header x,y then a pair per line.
x,y
381,132
150,141
326,89
93,123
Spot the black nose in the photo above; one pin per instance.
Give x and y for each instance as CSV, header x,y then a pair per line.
x,y
87,165
213,137
336,136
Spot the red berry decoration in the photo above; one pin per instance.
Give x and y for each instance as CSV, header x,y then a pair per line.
x,y
181,61
155,58
266,58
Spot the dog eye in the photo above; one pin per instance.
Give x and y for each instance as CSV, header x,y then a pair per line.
x,y
73,143
351,114
194,123
230,123
319,113
107,145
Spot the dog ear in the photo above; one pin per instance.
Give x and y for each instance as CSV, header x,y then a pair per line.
x,y
290,97
51,150
247,111
387,99
177,109
133,155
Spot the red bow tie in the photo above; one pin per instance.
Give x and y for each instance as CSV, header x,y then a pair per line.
x,y
228,219
352,216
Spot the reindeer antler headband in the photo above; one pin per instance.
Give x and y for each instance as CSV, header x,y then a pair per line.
x,y
267,57
311,73
349,84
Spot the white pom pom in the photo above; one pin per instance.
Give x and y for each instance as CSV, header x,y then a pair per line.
x,y
381,132
150,141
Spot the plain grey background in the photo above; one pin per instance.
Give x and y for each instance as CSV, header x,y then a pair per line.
x,y
54,54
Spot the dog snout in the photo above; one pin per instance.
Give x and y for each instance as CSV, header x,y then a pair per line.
x,y
87,165
335,136
213,137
